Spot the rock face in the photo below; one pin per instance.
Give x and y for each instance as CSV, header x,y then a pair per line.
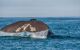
x,y
32,28
29,26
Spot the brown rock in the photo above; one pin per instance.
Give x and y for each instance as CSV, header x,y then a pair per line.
x,y
29,26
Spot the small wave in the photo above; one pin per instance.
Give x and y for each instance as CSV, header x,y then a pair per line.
x,y
23,34
63,37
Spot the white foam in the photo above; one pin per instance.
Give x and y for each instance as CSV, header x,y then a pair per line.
x,y
41,34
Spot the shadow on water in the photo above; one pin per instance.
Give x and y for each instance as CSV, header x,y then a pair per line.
x,y
52,36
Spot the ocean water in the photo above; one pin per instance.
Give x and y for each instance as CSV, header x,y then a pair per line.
x,y
66,35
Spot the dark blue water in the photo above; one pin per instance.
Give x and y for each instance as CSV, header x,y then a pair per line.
x,y
66,35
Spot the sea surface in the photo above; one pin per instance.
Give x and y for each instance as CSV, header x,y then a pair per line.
x,y
66,35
